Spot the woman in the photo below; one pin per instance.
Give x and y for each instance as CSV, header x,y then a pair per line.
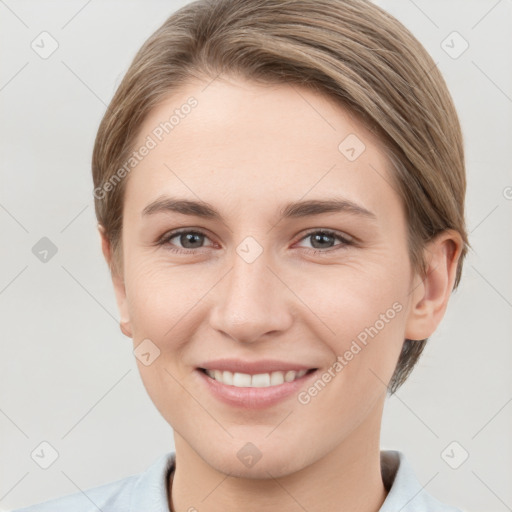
x,y
279,188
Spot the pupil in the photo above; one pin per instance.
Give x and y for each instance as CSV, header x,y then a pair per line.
x,y
189,238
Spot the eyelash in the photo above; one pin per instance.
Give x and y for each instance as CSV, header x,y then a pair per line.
x,y
344,241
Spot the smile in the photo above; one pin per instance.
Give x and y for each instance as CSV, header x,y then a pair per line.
x,y
259,380
256,390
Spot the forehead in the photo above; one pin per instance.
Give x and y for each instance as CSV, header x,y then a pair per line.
x,y
233,141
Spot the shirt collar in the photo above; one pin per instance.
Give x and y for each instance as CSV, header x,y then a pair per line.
x,y
150,490
405,493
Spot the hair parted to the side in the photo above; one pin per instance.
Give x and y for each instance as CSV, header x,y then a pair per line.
x,y
350,50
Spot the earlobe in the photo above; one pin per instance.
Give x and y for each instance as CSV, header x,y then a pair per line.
x,y
118,282
430,294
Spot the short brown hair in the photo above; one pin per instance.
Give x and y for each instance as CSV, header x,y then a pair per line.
x,y
350,50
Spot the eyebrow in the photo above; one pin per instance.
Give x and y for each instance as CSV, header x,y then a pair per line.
x,y
296,209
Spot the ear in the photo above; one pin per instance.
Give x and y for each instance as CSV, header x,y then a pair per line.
x,y
431,293
118,282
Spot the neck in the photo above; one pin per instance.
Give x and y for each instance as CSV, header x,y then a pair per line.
x,y
348,477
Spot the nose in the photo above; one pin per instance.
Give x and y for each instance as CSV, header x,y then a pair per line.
x,y
252,302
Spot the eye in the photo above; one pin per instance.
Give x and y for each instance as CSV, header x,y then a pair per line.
x,y
322,240
190,241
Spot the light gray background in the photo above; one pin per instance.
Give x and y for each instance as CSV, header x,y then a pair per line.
x,y
68,375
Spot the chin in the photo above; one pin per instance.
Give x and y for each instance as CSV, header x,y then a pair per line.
x,y
246,460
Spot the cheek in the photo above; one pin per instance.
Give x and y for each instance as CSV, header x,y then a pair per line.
x,y
363,318
162,297
349,298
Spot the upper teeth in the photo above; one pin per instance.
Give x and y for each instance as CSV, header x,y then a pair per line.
x,y
260,380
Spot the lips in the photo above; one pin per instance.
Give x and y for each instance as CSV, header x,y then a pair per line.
x,y
257,394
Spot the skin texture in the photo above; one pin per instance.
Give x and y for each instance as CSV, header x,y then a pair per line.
x,y
247,150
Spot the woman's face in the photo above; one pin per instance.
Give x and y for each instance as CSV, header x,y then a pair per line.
x,y
256,280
